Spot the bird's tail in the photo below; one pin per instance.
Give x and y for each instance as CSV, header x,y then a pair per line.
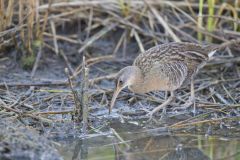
x,y
211,49
210,54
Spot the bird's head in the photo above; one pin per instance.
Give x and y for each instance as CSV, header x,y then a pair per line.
x,y
125,77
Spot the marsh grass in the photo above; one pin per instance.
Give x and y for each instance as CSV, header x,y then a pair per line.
x,y
232,12
34,26
210,20
200,19
23,18
29,19
125,7
6,14
74,28
214,16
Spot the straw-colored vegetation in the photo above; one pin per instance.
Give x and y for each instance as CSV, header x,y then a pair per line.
x,y
26,23
21,27
34,31
31,27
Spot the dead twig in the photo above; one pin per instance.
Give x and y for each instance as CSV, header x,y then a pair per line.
x,y
91,62
67,62
54,37
97,36
77,101
163,22
84,96
36,63
54,112
217,120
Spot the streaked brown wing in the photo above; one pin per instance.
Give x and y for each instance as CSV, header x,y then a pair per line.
x,y
175,72
175,51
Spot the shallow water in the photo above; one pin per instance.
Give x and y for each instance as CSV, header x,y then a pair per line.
x,y
129,141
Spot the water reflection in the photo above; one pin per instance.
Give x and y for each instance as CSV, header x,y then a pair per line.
x,y
131,143
161,147
81,150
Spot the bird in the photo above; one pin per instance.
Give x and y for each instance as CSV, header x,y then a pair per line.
x,y
165,67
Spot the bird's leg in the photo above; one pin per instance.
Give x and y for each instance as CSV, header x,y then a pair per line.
x,y
191,100
166,95
162,106
164,110
192,97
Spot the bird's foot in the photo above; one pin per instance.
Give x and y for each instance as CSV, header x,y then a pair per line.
x,y
183,107
151,115
188,104
162,106
164,115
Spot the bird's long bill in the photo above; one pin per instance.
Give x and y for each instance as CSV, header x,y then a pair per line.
x,y
115,94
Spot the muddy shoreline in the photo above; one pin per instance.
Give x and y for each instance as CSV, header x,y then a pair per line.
x,y
38,102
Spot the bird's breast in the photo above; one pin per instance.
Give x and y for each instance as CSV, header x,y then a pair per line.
x,y
152,84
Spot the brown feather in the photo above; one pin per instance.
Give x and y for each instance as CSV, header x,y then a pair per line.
x,y
178,61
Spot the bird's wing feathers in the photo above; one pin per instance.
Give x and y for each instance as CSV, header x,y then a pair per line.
x,y
175,72
154,55
175,51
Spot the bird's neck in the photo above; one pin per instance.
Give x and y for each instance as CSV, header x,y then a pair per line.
x,y
138,88
137,85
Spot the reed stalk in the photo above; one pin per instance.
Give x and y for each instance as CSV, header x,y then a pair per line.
x,y
6,14
200,20
84,95
210,20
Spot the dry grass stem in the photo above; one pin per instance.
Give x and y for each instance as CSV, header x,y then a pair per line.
x,y
110,34
85,96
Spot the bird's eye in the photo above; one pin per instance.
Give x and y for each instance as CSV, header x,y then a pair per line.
x,y
120,82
